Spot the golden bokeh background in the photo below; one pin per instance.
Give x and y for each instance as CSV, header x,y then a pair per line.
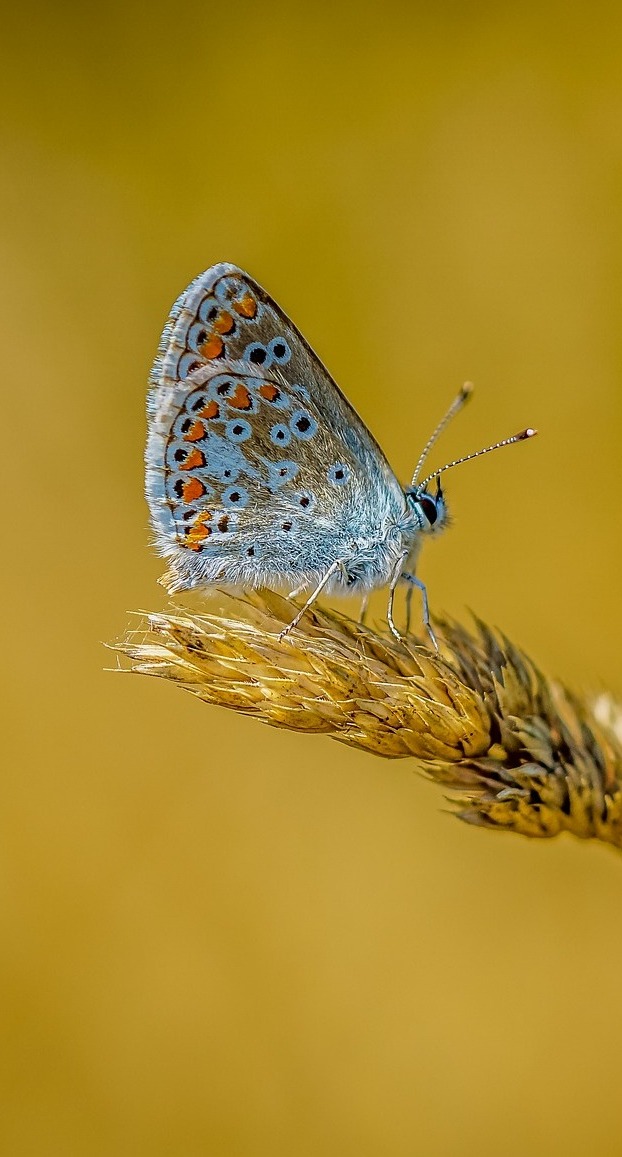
x,y
216,938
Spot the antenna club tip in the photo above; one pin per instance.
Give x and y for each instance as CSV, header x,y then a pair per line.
x,y
528,433
466,391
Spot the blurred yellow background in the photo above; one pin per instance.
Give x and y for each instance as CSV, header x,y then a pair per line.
x,y
216,938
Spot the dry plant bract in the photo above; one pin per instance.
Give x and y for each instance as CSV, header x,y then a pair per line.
x,y
518,751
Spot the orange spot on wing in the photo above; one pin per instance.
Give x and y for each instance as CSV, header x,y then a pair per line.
x,y
192,489
197,533
246,306
269,392
224,322
211,410
195,433
241,399
213,347
195,458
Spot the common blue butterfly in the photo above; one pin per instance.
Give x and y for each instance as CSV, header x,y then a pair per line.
x,y
259,471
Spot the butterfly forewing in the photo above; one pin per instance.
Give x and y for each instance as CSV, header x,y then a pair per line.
x,y
258,468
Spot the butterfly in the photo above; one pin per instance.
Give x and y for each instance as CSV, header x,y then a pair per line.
x,y
259,472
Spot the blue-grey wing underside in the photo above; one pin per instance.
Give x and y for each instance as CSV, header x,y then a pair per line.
x,y
259,471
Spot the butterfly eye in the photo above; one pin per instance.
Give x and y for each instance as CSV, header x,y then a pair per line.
x,y
429,508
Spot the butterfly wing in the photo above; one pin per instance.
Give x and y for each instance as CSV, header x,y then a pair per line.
x,y
259,470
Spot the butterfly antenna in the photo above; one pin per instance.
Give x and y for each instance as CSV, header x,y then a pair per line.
x,y
456,405
520,437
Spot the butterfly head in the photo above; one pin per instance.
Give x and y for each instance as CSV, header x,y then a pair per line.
x,y
429,510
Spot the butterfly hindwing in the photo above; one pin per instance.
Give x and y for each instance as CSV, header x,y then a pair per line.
x,y
258,468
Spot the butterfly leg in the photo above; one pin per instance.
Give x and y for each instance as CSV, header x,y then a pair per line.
x,y
409,600
298,591
416,582
335,566
397,574
364,606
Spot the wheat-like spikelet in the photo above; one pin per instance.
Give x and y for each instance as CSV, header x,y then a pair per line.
x,y
517,751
